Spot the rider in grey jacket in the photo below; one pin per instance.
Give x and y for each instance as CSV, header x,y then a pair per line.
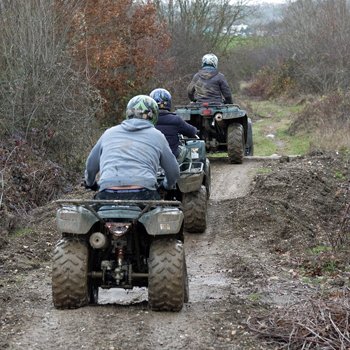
x,y
127,156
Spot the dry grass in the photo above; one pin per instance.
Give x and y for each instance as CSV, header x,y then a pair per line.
x,y
327,120
311,324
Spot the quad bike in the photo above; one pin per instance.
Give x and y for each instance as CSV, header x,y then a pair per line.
x,y
120,244
222,127
193,187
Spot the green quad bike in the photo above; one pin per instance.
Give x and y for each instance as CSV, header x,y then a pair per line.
x,y
222,127
119,244
193,187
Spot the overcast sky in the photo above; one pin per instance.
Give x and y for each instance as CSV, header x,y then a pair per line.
x,y
267,1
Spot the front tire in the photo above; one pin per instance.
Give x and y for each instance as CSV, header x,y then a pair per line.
x,y
195,210
186,286
207,181
166,271
70,274
235,143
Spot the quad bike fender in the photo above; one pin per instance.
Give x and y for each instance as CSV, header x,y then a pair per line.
x,y
162,221
190,182
75,219
233,112
184,113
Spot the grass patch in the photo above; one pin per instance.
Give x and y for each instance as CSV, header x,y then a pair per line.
x,y
271,121
264,171
340,176
22,232
254,297
217,154
320,249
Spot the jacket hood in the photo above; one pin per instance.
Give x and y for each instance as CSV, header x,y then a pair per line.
x,y
208,72
135,124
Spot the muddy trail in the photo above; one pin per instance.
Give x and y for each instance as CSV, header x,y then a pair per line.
x,y
241,265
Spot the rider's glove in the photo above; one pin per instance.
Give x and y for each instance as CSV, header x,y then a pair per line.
x,y
161,186
93,187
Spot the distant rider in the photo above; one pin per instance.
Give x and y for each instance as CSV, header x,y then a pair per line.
x,y
171,124
208,84
127,156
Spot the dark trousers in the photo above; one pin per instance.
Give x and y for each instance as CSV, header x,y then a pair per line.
x,y
143,194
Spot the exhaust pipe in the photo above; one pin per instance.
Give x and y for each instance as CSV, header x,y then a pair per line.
x,y
219,118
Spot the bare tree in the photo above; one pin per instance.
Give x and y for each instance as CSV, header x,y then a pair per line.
x,y
198,27
43,99
316,35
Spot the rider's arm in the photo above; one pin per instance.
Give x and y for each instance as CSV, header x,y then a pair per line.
x,y
226,91
186,129
93,164
191,89
170,165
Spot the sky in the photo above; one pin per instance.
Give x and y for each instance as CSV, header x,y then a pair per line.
x,y
257,2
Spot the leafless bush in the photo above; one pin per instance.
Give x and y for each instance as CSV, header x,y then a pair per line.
x,y
318,323
43,99
27,180
328,120
316,35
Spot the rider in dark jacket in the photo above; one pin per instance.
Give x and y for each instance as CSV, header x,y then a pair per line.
x,y
170,124
209,85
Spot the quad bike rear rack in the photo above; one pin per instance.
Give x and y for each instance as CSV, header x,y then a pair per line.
x,y
94,204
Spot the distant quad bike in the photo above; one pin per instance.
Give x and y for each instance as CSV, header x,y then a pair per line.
x,y
222,127
120,244
193,187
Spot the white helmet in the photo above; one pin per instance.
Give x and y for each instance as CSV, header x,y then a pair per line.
x,y
210,60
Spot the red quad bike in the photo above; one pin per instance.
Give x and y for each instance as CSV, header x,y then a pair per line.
x,y
222,127
119,244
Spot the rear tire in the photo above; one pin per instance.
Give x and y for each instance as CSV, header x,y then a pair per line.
x,y
166,270
195,210
70,274
249,146
235,143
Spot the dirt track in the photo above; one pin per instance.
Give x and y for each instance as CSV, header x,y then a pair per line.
x,y
233,271
124,321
